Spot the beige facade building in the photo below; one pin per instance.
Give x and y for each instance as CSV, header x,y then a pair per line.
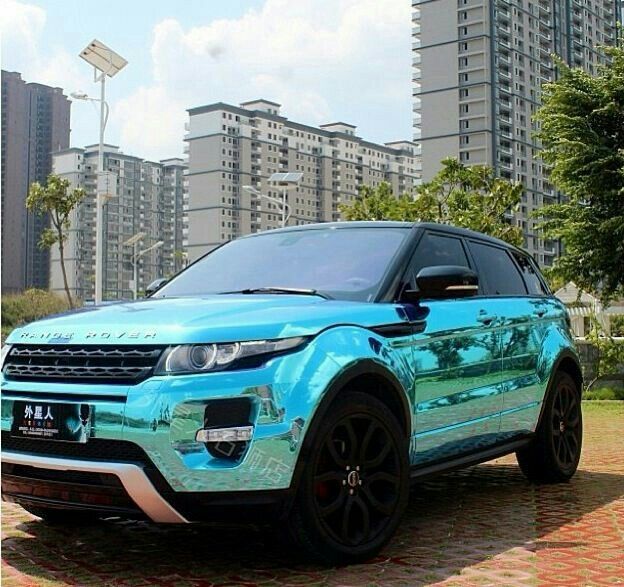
x,y
146,197
478,66
234,146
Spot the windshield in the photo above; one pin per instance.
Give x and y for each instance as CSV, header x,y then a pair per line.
x,y
343,263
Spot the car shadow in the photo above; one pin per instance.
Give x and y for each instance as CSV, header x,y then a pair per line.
x,y
454,521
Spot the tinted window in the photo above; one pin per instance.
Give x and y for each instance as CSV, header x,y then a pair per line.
x,y
531,278
497,271
344,263
435,249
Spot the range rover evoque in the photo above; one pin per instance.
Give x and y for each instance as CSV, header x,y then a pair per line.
x,y
306,374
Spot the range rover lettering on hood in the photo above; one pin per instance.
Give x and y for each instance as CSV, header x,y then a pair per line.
x,y
99,335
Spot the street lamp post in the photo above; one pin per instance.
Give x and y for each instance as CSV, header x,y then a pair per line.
x,y
133,242
281,203
286,181
105,63
135,263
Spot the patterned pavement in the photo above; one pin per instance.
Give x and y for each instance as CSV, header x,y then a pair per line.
x,y
482,526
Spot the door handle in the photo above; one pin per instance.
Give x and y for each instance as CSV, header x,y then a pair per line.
x,y
486,319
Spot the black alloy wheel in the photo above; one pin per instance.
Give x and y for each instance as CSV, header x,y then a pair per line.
x,y
553,455
566,426
355,485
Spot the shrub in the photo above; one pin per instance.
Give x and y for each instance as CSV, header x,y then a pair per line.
x,y
28,306
604,393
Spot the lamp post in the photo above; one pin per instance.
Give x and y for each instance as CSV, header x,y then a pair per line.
x,y
133,242
281,203
286,181
105,63
135,264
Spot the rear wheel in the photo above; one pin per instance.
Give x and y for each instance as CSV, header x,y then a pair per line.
x,y
355,485
554,453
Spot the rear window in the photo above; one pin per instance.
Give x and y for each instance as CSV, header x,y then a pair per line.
x,y
497,270
531,277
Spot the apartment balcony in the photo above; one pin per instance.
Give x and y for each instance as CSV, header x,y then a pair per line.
x,y
504,74
505,149
505,164
416,74
416,58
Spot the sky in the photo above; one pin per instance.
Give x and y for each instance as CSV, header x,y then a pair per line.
x,y
323,60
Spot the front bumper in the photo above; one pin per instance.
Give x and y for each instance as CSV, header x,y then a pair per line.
x,y
161,417
135,483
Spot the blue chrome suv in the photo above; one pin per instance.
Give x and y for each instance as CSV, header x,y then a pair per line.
x,y
304,375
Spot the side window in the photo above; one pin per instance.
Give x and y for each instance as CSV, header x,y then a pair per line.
x,y
497,270
531,277
435,249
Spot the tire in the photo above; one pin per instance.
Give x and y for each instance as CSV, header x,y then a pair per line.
x,y
553,455
355,484
61,517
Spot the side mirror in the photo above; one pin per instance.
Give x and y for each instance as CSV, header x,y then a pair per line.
x,y
153,287
446,281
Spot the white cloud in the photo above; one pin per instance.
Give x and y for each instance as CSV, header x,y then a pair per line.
x,y
321,59
21,27
151,123
21,24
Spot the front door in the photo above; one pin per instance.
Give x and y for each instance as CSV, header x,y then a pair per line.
x,y
458,364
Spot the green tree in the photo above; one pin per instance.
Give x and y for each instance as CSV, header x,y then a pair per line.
x,y
58,201
582,132
470,197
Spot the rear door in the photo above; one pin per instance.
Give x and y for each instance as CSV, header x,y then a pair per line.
x,y
518,314
458,363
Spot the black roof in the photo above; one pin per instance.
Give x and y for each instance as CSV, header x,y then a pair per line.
x,y
394,224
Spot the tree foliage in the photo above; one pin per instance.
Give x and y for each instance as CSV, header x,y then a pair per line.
x,y
582,132
58,201
470,197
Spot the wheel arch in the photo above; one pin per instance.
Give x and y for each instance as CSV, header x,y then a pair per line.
x,y
387,389
566,362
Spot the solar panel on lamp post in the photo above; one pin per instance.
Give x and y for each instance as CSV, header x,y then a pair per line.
x,y
105,63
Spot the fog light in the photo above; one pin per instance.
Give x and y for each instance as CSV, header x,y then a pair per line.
x,y
235,434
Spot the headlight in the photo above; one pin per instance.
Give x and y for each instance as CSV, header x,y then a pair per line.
x,y
201,358
4,353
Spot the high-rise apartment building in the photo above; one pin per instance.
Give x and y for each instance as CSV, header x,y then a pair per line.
x,y
478,66
234,146
35,122
143,197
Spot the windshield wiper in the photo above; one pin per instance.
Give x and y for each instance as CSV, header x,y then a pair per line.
x,y
279,290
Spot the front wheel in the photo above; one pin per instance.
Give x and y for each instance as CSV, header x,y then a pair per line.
x,y
553,455
355,484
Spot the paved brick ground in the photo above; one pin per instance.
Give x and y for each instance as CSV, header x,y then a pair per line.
x,y
482,526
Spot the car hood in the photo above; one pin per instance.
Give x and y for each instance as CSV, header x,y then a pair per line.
x,y
216,318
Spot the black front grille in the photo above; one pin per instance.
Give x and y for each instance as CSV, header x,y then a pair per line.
x,y
95,449
89,363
